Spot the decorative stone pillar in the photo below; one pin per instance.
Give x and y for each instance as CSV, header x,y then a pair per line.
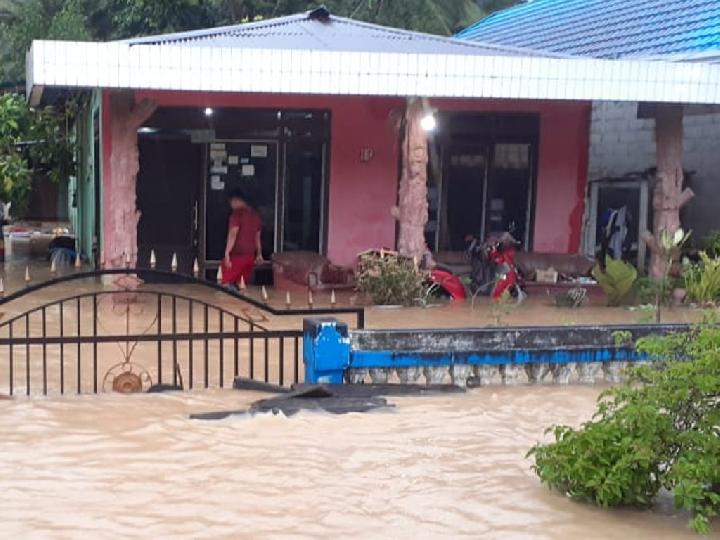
x,y
411,211
120,212
669,196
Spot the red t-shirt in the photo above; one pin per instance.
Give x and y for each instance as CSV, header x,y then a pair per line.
x,y
248,223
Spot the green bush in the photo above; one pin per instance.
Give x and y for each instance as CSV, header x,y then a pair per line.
x,y
391,280
616,280
645,291
702,280
661,429
711,244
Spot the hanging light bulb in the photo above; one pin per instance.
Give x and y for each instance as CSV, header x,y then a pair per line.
x,y
428,122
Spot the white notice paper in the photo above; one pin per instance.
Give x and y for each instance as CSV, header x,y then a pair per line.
x,y
248,170
219,170
258,150
217,146
216,183
233,160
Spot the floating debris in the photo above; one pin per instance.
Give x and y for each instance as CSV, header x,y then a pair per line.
x,y
332,398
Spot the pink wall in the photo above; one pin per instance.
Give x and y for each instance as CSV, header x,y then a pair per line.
x,y
362,193
562,165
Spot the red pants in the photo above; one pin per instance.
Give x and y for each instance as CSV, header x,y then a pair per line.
x,y
241,266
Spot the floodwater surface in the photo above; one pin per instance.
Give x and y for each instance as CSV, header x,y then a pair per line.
x,y
450,466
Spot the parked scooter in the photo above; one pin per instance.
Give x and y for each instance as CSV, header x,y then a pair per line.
x,y
492,270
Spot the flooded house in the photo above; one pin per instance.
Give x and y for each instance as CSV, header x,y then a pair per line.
x,y
306,113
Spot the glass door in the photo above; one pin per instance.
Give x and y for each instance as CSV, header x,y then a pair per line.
x,y
509,191
463,194
303,196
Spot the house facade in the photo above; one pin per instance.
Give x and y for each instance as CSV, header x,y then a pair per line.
x,y
305,115
622,139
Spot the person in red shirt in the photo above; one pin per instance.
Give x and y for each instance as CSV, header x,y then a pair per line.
x,y
243,248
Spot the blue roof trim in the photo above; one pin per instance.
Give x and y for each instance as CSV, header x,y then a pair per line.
x,y
605,28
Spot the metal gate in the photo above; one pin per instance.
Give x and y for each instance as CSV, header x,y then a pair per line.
x,y
129,337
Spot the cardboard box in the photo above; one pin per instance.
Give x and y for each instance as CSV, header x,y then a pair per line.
x,y
546,276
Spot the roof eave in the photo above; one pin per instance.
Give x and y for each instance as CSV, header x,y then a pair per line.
x,y
172,67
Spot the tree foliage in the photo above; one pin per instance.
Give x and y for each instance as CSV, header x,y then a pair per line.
x,y
659,430
26,20
31,141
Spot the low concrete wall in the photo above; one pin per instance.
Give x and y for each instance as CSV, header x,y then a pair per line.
x,y
472,356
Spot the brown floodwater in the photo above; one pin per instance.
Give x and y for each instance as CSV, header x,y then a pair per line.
x,y
113,466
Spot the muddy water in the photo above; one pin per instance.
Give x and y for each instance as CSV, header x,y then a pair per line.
x,y
440,467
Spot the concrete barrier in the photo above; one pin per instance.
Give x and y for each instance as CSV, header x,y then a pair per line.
x,y
474,356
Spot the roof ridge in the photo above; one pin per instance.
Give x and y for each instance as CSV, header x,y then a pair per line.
x,y
201,33
248,27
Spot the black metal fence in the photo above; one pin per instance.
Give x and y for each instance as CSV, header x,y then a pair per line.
x,y
137,337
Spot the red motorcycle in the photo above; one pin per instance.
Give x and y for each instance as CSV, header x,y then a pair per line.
x,y
492,270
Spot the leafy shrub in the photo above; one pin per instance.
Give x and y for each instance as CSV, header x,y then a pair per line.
x,y
712,244
390,279
616,280
702,280
661,429
645,291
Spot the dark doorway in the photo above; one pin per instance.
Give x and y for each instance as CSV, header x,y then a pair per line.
x,y
487,177
251,168
466,167
277,158
167,194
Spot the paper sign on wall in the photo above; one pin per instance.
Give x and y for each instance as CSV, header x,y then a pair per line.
x,y
216,183
233,160
217,146
258,150
248,170
219,170
218,154
244,160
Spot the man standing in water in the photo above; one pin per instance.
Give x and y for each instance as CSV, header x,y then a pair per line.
x,y
243,248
